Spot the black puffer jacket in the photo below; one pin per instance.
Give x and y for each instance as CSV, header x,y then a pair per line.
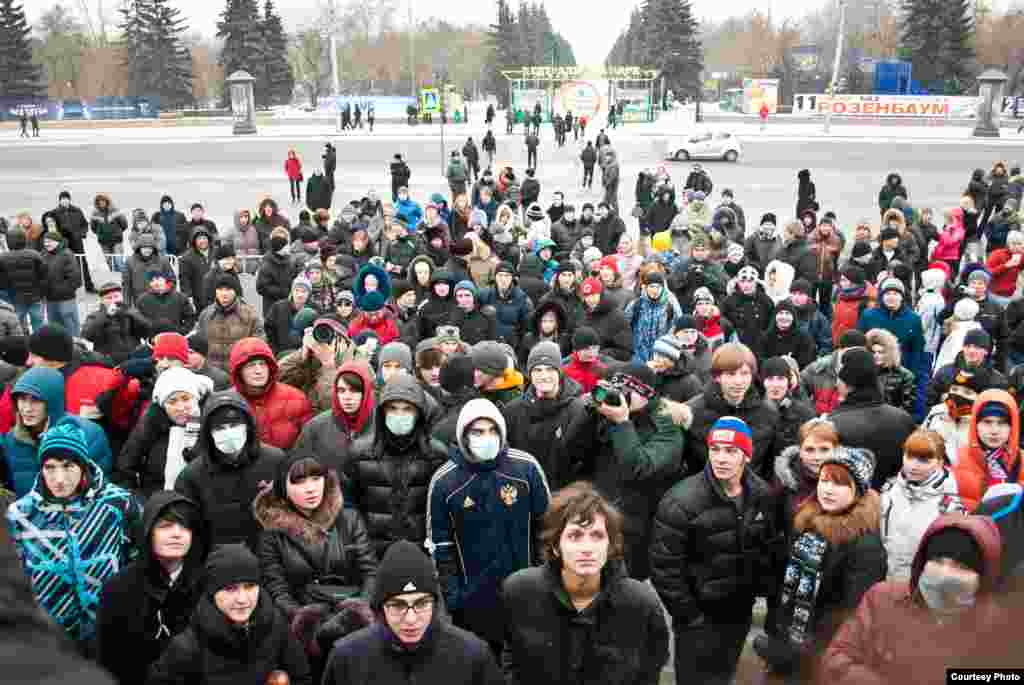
x,y
193,266
760,415
680,383
566,234
446,654
23,272
476,325
225,492
170,307
532,337
214,652
437,311
798,254
550,430
707,557
63,277
612,328
116,335
388,483
140,610
274,279
864,420
749,314
794,342
620,639
293,547
139,467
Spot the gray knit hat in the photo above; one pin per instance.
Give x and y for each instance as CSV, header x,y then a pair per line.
x,y
396,351
489,357
544,353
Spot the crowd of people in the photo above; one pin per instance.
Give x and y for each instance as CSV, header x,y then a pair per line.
x,y
454,440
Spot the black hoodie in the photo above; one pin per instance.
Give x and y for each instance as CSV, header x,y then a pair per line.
x,y
437,311
140,608
224,491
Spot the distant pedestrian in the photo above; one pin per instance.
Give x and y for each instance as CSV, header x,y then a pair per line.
x,y
510,119
532,141
23,120
371,115
293,169
357,113
35,125
763,113
489,116
589,159
490,146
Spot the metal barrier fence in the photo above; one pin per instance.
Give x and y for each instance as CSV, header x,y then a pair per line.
x,y
109,266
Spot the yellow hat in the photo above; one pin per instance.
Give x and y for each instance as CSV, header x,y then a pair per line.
x,y
662,242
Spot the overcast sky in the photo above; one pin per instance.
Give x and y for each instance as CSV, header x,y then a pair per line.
x,y
590,32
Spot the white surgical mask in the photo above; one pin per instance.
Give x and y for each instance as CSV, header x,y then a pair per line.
x,y
167,206
485,448
945,595
400,424
65,203
230,439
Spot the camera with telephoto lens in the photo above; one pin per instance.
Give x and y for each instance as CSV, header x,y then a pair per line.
x,y
323,334
607,393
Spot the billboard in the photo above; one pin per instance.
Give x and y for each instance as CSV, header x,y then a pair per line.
x,y
906,106
112,107
760,90
583,97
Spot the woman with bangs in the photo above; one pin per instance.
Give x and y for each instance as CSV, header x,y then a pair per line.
x,y
836,555
923,490
313,552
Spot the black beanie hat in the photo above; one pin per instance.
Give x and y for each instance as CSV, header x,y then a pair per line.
x,y
223,251
585,337
224,281
858,369
855,274
958,545
774,367
852,338
52,342
14,350
405,568
226,416
198,343
400,287
230,565
457,373
800,285
978,337
860,249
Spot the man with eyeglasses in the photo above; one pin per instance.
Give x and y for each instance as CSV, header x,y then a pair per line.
x,y
412,641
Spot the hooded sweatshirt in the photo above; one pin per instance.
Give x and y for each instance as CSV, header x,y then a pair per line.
x,y
20,446
174,227
978,467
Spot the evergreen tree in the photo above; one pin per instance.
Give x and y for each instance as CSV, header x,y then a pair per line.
x,y
157,61
19,75
240,29
278,79
936,36
673,46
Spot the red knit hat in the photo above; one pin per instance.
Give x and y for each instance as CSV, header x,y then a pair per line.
x,y
591,286
171,346
611,262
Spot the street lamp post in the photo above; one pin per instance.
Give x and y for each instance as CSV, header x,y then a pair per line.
x,y
835,65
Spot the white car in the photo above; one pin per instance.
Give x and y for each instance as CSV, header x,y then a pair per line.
x,y
704,145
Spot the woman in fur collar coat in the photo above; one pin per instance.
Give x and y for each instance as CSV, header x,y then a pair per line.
x,y
836,555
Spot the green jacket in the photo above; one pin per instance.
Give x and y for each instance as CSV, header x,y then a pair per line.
x,y
456,171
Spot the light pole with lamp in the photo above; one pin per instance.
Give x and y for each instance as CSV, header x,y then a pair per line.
x,y
835,64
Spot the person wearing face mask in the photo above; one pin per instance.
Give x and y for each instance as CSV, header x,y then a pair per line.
x,y
73,225
780,379
193,266
484,519
63,279
277,270
784,337
151,600
578,599
173,223
311,539
387,482
236,634
73,531
716,534
835,556
911,630
228,466
922,491
731,392
155,451
38,399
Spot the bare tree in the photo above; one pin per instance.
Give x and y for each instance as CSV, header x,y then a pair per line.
x,y
308,58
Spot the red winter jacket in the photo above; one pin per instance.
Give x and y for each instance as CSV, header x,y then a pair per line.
x,y
91,381
293,167
386,329
1004,276
587,375
280,410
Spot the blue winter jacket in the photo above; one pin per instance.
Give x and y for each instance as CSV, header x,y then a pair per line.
x,y
905,324
71,548
483,524
512,313
19,448
411,211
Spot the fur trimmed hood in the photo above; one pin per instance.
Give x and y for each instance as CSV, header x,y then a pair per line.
x,y
880,336
838,529
275,514
788,469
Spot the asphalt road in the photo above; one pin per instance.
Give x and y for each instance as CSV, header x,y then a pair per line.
x,y
226,174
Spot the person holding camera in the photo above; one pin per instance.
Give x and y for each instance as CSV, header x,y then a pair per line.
x,y
115,329
635,453
312,369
